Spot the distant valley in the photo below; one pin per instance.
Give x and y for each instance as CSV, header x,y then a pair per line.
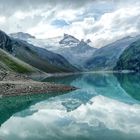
x,y
81,53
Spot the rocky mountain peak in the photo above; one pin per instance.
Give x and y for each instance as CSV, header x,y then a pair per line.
x,y
68,40
88,41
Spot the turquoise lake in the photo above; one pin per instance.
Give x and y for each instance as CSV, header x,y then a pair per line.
x,y
105,107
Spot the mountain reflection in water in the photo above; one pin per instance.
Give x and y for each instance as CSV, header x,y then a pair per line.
x,y
105,106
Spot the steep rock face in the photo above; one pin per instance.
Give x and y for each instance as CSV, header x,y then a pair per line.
x,y
69,40
106,58
40,58
5,42
130,58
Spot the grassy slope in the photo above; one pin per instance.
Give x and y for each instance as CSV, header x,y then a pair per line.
x,y
33,59
8,62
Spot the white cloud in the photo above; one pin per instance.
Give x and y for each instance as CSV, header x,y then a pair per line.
x,y
68,15
122,22
102,22
43,31
2,19
112,26
22,15
100,114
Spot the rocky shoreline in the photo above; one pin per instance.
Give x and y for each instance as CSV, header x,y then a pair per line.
x,y
12,84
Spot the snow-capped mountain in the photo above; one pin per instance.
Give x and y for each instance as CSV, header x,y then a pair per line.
x,y
69,41
74,50
22,36
77,54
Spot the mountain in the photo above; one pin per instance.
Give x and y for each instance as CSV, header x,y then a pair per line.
x,y
106,57
74,50
37,57
130,58
10,63
22,36
77,54
69,41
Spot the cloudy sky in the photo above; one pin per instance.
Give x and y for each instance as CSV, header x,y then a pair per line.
x,y
102,21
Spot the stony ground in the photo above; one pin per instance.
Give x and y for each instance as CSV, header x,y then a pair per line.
x,y
12,84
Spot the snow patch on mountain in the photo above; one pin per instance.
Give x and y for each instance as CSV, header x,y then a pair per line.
x,y
22,36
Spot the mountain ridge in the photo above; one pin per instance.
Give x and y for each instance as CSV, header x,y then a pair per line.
x,y
130,58
106,57
74,50
47,61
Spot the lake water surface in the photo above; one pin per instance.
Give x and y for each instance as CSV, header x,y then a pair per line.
x,y
105,107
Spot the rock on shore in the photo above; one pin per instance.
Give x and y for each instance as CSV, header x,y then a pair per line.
x,y
15,84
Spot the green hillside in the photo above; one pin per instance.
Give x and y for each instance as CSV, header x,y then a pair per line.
x,y
10,63
130,59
